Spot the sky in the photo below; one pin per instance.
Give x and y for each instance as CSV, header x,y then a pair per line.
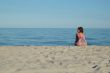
x,y
54,13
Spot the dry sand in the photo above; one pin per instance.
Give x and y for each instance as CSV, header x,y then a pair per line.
x,y
54,59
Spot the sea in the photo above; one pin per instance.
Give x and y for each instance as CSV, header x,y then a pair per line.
x,y
51,36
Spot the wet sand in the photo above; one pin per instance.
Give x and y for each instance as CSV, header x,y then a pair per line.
x,y
54,59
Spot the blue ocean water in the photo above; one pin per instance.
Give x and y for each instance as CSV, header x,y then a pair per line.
x,y
51,36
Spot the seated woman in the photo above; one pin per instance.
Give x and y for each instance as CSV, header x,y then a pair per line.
x,y
80,37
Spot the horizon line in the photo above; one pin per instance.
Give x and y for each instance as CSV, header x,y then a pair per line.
x,y
53,27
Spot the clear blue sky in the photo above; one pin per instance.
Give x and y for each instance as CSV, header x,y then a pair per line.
x,y
54,13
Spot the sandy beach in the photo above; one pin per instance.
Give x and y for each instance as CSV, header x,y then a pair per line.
x,y
54,59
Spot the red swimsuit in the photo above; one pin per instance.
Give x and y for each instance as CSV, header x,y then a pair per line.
x,y
81,41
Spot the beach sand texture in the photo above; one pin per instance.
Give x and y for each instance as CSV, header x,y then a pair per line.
x,y
54,59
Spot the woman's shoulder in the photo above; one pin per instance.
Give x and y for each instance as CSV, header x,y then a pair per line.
x,y
80,34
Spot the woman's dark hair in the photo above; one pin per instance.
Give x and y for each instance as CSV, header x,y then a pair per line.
x,y
81,29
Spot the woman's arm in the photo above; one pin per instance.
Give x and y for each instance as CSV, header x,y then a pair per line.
x,y
76,40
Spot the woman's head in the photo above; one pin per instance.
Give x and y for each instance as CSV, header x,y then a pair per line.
x,y
80,30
